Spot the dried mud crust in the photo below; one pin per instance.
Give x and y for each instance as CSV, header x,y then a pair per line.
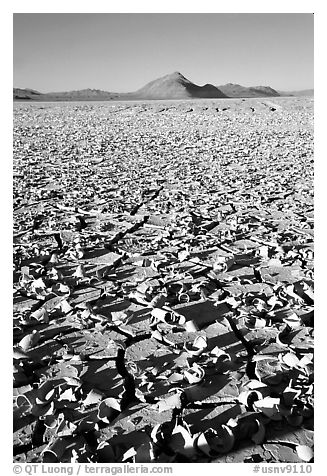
x,y
163,282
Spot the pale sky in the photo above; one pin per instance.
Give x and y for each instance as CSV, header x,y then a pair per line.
x,y
122,52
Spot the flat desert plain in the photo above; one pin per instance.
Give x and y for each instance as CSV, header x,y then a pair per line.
x,y
163,281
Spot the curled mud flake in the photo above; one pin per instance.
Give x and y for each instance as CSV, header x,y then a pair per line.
x,y
194,374
305,452
213,442
175,377
159,315
29,341
167,316
183,255
293,320
26,402
54,451
93,397
80,272
68,395
108,409
268,369
181,441
120,317
171,402
156,334
105,453
200,342
50,421
260,434
41,315
197,347
65,428
201,444
65,307
129,455
290,360
61,289
158,301
269,406
191,326
219,355
43,410
289,395
283,338
161,433
183,298
248,397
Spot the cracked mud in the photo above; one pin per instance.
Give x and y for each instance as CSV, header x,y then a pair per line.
x,y
163,281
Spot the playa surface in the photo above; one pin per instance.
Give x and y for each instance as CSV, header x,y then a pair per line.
x,y
163,281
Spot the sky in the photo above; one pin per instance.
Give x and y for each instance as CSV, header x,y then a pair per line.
x,y
122,52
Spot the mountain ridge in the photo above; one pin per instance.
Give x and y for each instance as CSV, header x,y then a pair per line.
x,y
238,91
170,86
299,93
176,86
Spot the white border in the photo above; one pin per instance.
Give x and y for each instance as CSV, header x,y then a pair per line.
x,y
163,6
166,6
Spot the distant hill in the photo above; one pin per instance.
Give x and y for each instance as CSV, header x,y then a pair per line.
x,y
171,86
303,92
237,91
27,94
80,95
176,86
96,94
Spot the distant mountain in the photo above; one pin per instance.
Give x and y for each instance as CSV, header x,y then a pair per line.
x,y
303,92
83,94
26,94
80,95
171,86
237,91
265,91
176,86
